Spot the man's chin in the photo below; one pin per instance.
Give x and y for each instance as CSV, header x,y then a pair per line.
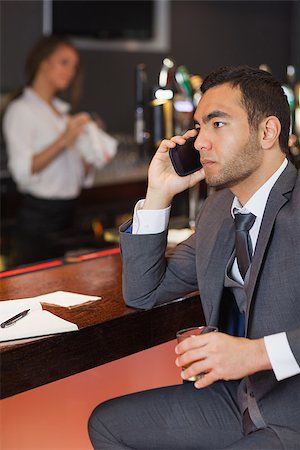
x,y
218,183
213,181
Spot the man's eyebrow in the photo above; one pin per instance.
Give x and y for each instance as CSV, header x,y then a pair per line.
x,y
213,115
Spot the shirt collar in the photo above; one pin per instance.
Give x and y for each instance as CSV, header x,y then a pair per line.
x,y
257,203
62,106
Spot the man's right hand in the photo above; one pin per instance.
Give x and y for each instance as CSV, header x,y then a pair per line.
x,y
163,181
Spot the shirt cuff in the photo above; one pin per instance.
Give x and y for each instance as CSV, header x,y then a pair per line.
x,y
148,221
281,357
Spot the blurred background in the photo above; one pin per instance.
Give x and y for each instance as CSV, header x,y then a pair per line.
x,y
143,63
202,35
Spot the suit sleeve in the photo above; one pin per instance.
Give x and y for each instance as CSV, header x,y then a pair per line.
x,y
293,338
149,277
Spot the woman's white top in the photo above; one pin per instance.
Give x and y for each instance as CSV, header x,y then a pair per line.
x,y
30,125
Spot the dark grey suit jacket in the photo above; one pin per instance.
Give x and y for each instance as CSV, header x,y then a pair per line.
x,y
273,291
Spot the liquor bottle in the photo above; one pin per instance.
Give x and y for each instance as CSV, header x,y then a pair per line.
x,y
288,88
182,77
294,141
183,101
196,82
297,109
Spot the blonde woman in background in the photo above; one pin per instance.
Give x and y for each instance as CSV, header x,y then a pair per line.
x,y
45,146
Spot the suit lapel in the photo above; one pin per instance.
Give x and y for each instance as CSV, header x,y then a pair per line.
x,y
221,253
279,195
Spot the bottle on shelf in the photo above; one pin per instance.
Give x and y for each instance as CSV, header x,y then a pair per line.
x,y
182,77
183,101
196,82
297,109
291,90
288,88
294,140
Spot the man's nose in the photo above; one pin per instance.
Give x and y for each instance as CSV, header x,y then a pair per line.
x,y
203,141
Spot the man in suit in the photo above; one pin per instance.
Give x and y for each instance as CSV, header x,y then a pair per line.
x,y
249,397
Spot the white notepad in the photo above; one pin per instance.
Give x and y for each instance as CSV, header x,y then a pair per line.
x,y
59,298
37,322
65,298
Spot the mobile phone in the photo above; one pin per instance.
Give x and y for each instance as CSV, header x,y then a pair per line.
x,y
185,158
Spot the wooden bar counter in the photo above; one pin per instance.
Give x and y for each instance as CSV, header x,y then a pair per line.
x,y
108,329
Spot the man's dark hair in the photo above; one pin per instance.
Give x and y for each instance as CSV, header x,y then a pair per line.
x,y
262,96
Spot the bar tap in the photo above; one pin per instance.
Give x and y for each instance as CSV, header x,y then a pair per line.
x,y
141,129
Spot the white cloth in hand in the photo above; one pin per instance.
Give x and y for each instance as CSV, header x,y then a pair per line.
x,y
95,146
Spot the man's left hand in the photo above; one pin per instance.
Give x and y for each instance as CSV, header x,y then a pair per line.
x,y
221,357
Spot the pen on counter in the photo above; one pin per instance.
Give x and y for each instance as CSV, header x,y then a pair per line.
x,y
14,319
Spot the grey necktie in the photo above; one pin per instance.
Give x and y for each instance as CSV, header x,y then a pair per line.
x,y
243,246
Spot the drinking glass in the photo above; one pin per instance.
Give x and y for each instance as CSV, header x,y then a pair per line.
x,y
194,331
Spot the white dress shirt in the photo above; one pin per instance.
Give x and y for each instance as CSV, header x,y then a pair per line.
x,y
279,352
30,125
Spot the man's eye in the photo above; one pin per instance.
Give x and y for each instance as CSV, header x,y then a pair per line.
x,y
219,124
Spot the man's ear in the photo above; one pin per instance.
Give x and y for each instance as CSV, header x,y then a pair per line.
x,y
270,129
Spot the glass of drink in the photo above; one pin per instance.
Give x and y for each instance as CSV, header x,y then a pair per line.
x,y
194,331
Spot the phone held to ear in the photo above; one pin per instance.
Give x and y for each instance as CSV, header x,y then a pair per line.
x,y
185,158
